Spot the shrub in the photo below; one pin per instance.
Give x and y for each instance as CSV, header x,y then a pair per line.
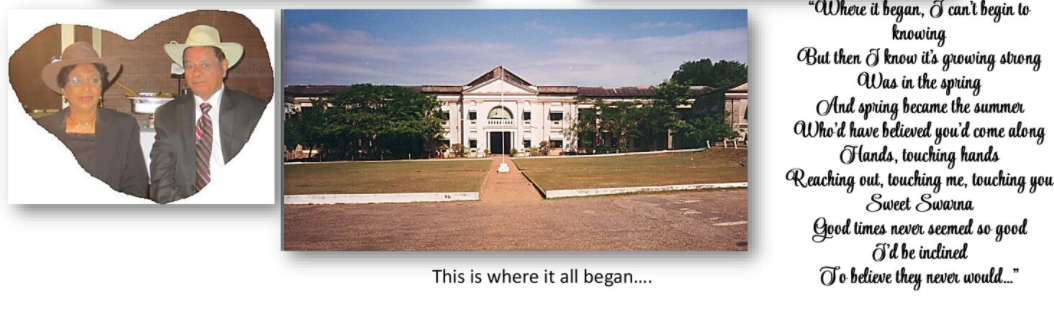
x,y
442,148
459,150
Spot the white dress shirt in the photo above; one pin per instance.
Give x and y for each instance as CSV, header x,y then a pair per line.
x,y
216,101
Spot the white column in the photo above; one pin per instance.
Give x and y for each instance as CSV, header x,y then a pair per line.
x,y
67,39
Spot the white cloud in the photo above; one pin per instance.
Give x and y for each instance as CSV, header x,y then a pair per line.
x,y
359,58
544,28
581,41
677,25
315,30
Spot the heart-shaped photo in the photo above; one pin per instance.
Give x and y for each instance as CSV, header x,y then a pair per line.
x,y
157,117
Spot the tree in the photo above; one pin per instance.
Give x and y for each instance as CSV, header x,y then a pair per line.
x,y
306,129
703,72
621,119
652,123
727,73
707,120
293,132
660,119
710,127
704,121
614,126
585,128
370,122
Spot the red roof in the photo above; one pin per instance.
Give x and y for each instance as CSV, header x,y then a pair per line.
x,y
499,73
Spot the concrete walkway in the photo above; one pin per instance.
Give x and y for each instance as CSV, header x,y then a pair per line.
x,y
510,186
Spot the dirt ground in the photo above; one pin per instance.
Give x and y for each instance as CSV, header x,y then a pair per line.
x,y
679,221
509,186
714,165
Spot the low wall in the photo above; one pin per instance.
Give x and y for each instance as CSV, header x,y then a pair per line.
x,y
629,190
379,198
379,161
613,154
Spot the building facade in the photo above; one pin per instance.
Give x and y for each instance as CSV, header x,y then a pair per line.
x,y
499,111
736,106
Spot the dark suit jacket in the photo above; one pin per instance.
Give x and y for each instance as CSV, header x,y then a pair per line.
x,y
173,162
119,158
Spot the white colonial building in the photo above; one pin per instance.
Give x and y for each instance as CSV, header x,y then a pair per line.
x,y
736,106
499,110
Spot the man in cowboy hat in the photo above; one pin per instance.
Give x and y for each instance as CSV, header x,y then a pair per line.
x,y
198,133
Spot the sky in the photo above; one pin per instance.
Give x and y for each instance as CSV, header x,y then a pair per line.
x,y
545,47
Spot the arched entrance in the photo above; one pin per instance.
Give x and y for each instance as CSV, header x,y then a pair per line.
x,y
500,142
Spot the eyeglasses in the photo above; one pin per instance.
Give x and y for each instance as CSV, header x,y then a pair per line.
x,y
77,80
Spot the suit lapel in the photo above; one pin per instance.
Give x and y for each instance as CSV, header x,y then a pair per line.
x,y
56,124
228,132
189,136
105,143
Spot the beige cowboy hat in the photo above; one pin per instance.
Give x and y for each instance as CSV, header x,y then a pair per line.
x,y
202,35
75,54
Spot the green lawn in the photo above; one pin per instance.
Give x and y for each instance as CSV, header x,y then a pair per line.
x,y
364,177
715,165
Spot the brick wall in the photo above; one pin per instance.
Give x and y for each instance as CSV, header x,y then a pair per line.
x,y
25,66
147,68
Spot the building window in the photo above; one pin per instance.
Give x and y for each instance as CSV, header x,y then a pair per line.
x,y
526,144
527,116
444,142
556,144
499,113
472,143
444,115
556,116
472,115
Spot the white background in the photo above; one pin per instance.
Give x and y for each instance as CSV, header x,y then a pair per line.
x,y
227,257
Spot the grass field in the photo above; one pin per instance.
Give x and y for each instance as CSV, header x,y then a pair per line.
x,y
386,177
715,165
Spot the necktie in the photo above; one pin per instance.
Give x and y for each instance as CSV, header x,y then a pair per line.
x,y
204,142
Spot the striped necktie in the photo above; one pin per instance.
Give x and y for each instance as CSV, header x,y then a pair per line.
x,y
204,142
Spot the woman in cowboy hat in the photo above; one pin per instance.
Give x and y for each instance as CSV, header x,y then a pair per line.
x,y
104,142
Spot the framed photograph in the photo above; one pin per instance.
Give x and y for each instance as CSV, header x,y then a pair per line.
x,y
98,91
478,130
